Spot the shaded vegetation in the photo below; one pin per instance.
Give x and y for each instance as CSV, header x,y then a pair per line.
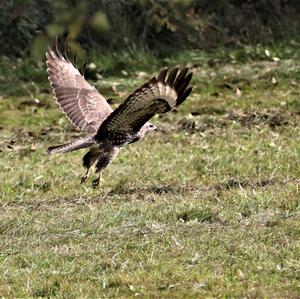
x,y
161,26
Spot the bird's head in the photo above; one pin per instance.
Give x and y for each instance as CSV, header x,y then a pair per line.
x,y
149,127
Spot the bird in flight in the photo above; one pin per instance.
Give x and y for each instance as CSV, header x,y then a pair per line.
x,y
108,130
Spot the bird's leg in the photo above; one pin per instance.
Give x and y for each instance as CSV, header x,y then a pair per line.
x,y
96,182
104,159
88,160
85,176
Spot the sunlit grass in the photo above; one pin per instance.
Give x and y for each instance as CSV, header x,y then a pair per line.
x,y
206,207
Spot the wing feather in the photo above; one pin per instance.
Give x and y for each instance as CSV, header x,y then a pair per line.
x,y
162,75
156,96
180,77
172,76
83,105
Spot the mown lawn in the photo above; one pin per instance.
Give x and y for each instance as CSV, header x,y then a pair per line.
x,y
209,206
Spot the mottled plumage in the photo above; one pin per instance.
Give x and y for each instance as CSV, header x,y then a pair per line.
x,y
107,130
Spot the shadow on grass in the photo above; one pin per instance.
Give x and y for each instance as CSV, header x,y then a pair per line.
x,y
231,183
141,193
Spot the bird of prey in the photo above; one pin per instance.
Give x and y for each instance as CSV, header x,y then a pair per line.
x,y
107,130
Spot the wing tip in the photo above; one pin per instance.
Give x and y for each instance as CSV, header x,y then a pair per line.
x,y
54,52
172,74
162,75
184,96
179,80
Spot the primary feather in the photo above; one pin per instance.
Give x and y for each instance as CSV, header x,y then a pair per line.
x,y
83,105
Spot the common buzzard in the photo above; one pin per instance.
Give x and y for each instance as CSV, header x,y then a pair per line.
x,y
107,130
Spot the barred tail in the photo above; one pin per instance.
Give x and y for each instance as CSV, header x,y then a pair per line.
x,y
72,146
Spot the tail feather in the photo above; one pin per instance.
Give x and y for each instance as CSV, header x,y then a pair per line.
x,y
72,146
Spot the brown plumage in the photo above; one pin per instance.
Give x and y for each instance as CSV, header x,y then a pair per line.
x,y
108,130
83,105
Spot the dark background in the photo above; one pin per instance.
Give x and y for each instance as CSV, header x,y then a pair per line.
x,y
27,28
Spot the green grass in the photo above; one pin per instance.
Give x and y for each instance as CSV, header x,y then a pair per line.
x,y
209,206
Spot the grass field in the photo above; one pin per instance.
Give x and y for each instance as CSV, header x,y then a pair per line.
x,y
209,206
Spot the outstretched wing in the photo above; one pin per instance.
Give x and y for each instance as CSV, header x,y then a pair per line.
x,y
158,95
83,105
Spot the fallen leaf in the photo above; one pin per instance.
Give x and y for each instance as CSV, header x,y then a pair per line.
x,y
238,92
